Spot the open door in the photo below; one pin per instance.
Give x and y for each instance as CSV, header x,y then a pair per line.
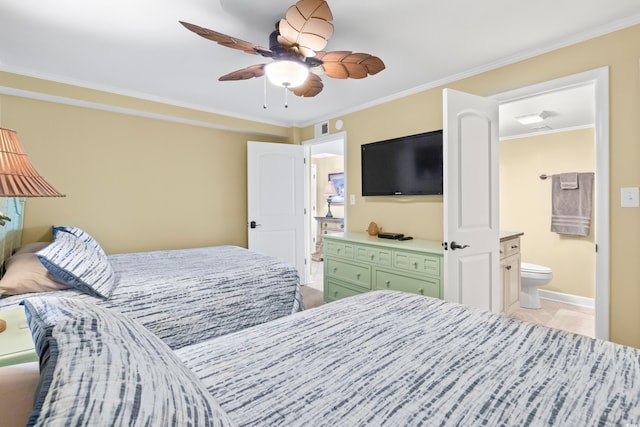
x,y
471,220
275,205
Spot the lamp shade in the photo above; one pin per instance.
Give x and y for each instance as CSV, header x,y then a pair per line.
x,y
330,189
18,177
286,73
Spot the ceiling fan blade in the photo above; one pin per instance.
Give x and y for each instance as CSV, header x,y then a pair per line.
x,y
228,41
245,74
307,26
311,87
345,64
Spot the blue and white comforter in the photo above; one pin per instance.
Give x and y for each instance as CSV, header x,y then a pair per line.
x,y
186,296
397,359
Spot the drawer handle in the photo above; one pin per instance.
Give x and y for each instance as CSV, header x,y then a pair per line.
x,y
421,291
508,267
335,269
358,276
415,264
372,257
338,250
514,247
335,293
388,283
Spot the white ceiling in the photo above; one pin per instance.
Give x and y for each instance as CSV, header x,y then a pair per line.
x,y
138,48
570,108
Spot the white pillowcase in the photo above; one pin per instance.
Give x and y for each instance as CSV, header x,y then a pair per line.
x,y
25,273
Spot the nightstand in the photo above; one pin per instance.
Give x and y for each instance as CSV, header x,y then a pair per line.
x,y
16,344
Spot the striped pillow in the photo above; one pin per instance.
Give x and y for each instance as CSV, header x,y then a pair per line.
x,y
80,234
79,265
102,368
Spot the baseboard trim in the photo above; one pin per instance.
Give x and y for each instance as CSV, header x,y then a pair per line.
x,y
567,298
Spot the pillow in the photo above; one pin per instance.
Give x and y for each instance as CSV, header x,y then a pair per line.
x,y
25,273
102,368
30,248
79,265
80,234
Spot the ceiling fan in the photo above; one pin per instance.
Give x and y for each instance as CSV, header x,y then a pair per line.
x,y
296,48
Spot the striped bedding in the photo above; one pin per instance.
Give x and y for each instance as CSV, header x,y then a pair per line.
x,y
186,296
395,359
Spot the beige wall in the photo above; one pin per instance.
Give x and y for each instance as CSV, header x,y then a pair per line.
x,y
620,51
325,166
525,205
134,183
198,208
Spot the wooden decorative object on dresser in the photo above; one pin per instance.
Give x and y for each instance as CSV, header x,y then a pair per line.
x,y
325,226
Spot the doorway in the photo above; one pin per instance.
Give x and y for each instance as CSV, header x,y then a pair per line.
x,y
326,172
597,82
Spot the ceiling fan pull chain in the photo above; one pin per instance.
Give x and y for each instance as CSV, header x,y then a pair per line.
x,y
286,97
264,95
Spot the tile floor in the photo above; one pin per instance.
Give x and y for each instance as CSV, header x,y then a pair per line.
x,y
580,320
572,318
316,275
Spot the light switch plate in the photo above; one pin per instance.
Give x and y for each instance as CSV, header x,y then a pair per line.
x,y
630,197
352,199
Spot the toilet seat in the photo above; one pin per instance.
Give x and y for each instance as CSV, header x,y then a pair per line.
x,y
534,271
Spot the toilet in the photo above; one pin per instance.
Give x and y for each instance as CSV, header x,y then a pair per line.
x,y
532,276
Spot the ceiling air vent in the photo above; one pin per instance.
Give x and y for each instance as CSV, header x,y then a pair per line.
x,y
322,129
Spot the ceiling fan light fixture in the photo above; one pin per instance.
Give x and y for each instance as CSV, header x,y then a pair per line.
x,y
532,118
286,73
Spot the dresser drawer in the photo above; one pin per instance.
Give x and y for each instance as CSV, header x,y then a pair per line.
x,y
329,226
343,250
336,290
375,255
359,275
398,282
509,247
417,263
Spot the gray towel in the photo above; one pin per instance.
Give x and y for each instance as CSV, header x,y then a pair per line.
x,y
569,181
571,208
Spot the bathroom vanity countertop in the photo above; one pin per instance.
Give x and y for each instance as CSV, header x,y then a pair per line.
x,y
506,235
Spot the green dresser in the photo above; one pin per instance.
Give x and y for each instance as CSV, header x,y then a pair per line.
x,y
356,262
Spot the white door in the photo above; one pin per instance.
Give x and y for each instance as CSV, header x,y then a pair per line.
x,y
313,197
471,223
275,205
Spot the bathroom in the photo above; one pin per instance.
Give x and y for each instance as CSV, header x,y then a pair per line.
x,y
525,206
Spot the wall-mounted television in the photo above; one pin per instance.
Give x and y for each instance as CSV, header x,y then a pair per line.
x,y
408,166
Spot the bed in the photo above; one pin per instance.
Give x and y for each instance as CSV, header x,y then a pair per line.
x,y
380,358
183,296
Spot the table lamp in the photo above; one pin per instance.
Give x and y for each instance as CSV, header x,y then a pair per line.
x,y
18,177
329,191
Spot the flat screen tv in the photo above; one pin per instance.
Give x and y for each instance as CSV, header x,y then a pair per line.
x,y
409,165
